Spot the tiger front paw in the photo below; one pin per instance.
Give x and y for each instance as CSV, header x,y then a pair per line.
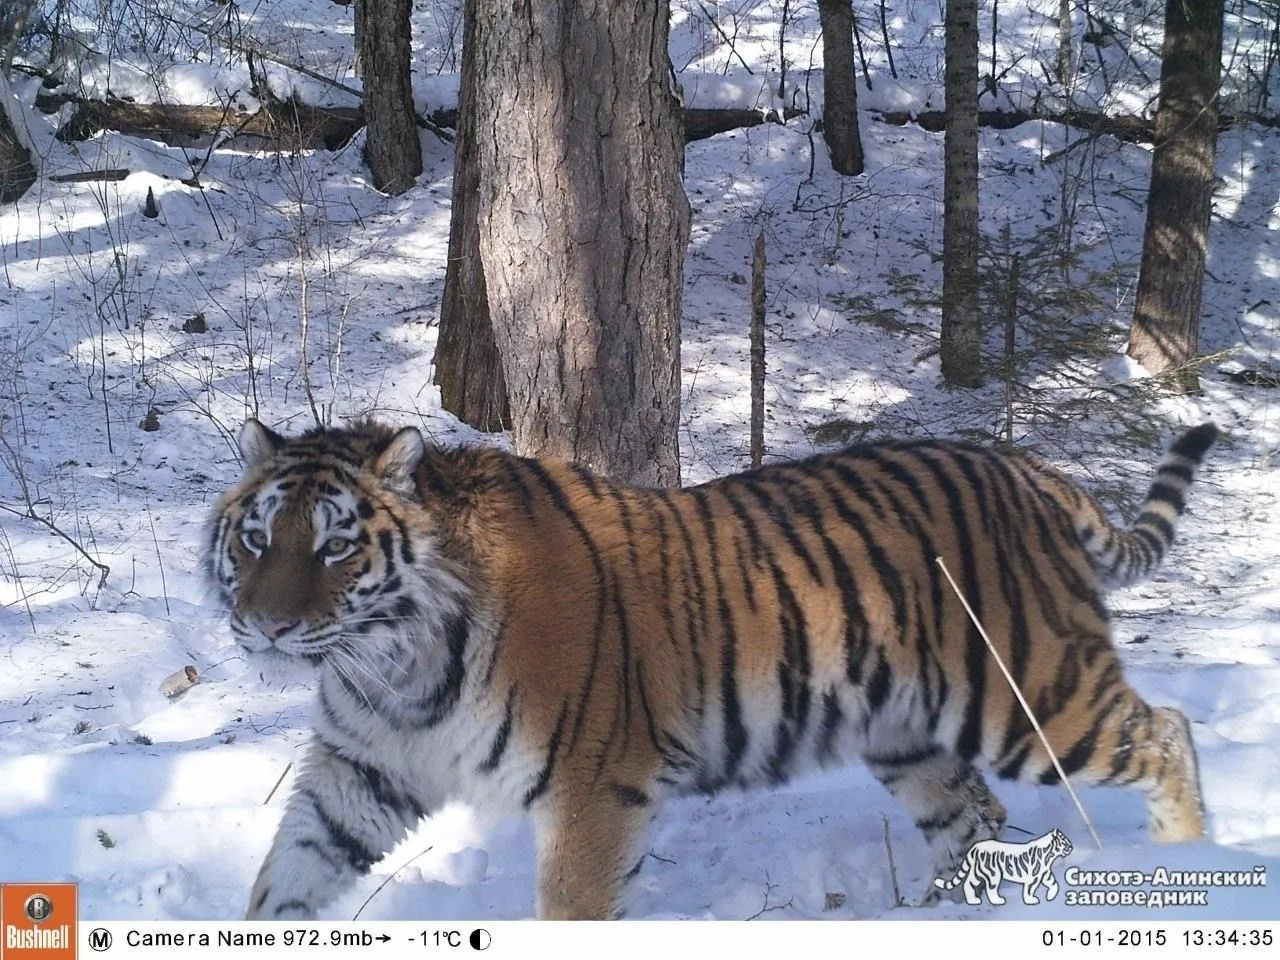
x,y
263,905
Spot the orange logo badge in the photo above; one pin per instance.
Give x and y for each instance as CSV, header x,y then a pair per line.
x,y
38,921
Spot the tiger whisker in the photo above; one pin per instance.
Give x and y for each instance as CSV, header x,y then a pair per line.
x,y
352,682
367,669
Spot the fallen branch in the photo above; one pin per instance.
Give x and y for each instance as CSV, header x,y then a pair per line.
x,y
112,175
1133,129
1122,127
30,514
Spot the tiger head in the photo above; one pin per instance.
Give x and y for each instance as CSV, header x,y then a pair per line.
x,y
323,543
1061,846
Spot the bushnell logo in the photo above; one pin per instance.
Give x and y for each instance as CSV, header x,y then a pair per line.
x,y
38,921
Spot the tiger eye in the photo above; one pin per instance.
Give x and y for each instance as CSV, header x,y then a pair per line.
x,y
334,546
255,539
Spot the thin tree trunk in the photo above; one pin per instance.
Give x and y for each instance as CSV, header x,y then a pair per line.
x,y
583,225
392,149
961,366
1063,66
840,87
757,351
1166,315
862,57
468,369
884,33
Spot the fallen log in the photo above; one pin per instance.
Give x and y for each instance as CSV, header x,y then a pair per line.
x,y
1128,128
111,175
290,125
1123,127
283,125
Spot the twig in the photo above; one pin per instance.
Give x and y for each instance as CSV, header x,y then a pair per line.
x,y
711,18
159,560
17,579
278,782
248,47
893,867
30,514
389,877
768,889
1062,774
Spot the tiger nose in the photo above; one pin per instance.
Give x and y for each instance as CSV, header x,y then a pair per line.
x,y
273,628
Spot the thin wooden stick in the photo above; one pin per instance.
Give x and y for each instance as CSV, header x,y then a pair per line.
x,y
278,782
1062,774
893,867
388,878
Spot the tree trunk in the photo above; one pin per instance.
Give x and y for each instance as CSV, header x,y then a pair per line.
x,y
583,225
357,27
839,87
468,369
1065,35
17,172
15,17
1166,315
961,366
392,149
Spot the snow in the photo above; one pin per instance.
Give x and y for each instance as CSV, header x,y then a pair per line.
x,y
163,809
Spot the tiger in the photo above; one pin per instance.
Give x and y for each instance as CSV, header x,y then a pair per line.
x,y
990,862
533,639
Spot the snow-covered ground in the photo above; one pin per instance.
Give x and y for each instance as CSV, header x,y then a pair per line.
x,y
164,809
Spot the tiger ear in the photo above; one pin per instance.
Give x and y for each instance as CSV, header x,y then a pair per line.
x,y
257,443
397,464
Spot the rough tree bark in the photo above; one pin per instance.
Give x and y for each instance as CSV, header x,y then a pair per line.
x,y
15,15
392,150
17,172
1063,67
961,365
839,87
1166,315
468,369
583,225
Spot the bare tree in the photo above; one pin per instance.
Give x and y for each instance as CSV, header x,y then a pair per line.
x,y
582,227
1166,315
961,334
839,87
392,149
